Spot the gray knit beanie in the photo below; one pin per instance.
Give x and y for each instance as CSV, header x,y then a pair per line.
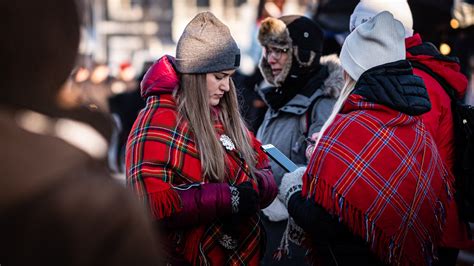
x,y
378,41
206,46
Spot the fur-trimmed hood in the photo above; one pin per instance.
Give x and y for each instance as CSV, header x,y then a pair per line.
x,y
332,85
335,81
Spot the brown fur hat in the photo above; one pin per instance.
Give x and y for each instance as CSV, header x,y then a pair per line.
x,y
274,32
300,35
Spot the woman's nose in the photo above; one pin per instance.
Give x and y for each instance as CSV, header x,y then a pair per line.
x,y
225,85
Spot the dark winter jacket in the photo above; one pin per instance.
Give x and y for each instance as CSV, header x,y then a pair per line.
x,y
58,207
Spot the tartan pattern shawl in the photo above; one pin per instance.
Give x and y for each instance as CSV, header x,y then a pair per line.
x,y
162,154
379,171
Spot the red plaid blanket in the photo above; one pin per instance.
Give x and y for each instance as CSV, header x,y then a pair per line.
x,y
379,171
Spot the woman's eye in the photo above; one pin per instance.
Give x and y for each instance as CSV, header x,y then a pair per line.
x,y
219,77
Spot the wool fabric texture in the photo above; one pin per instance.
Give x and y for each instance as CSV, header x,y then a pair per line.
x,y
162,154
390,189
206,46
376,42
304,33
367,9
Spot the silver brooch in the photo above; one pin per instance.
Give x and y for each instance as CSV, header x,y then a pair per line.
x,y
228,242
227,142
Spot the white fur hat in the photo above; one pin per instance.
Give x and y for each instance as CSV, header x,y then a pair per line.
x,y
378,41
366,9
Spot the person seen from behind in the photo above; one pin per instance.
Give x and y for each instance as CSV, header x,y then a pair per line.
x,y
58,205
190,157
376,190
427,61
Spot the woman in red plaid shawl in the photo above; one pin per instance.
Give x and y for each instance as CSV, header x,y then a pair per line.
x,y
190,157
375,190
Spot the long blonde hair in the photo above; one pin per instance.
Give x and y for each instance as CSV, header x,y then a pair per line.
x,y
193,105
349,86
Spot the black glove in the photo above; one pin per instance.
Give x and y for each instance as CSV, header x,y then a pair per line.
x,y
244,199
314,219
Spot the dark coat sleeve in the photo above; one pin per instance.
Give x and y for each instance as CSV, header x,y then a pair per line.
x,y
200,205
332,239
87,219
314,219
266,186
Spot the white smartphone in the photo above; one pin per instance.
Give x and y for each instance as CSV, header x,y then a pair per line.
x,y
276,155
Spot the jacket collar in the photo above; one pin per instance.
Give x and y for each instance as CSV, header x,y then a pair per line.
x,y
161,78
395,86
446,67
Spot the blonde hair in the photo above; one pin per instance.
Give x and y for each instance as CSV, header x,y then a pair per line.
x,y
349,86
193,105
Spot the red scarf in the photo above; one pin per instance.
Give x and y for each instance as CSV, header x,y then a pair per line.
x,y
162,154
379,171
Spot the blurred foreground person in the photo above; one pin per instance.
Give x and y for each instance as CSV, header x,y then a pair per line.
x,y
375,191
57,206
192,160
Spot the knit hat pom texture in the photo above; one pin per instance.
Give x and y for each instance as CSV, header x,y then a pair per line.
x,y
206,46
376,42
367,9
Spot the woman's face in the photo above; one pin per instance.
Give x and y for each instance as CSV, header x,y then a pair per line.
x,y
218,83
276,58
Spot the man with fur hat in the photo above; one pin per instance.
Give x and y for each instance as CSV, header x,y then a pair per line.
x,y
303,90
427,63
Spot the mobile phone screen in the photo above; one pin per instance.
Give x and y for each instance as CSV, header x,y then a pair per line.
x,y
276,155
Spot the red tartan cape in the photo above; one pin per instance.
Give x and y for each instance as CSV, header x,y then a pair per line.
x,y
379,171
162,153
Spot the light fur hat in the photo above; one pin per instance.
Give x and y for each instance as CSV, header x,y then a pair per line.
x,y
206,46
367,9
378,41
300,35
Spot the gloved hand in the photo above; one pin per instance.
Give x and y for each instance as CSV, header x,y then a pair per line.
x,y
291,183
244,199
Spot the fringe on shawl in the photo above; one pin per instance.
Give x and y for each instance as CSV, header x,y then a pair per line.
x,y
164,203
384,246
